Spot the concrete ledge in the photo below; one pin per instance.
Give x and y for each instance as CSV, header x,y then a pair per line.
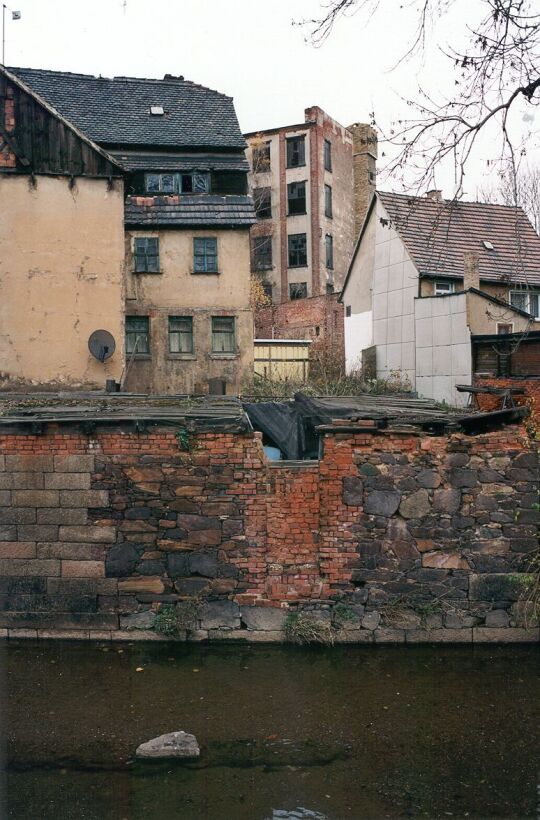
x,y
505,635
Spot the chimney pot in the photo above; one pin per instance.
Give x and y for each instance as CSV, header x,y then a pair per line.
x,y
435,194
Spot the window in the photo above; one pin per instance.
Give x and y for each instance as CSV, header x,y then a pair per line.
x,y
327,155
193,182
137,334
180,334
526,300
262,252
261,158
297,250
146,253
262,200
267,289
298,290
504,329
223,334
348,310
296,152
205,255
329,288
328,201
329,251
296,198
442,288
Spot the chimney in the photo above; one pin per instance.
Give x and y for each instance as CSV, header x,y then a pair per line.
x,y
364,169
471,271
435,194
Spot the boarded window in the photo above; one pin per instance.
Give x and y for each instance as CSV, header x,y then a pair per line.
x,y
329,251
328,201
296,198
146,254
296,152
261,158
298,290
137,334
262,252
262,199
297,243
223,334
205,255
180,334
327,155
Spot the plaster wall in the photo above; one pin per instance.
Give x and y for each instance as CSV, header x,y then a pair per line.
x,y
61,278
177,291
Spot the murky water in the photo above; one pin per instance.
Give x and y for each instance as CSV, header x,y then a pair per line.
x,y
348,732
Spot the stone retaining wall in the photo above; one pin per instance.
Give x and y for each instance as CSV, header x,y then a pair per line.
x,y
391,537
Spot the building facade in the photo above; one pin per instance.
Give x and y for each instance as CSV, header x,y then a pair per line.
x,y
305,180
428,277
185,285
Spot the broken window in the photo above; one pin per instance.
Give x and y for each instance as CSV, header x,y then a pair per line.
x,y
223,334
296,152
327,155
297,250
328,201
137,334
262,200
296,198
205,255
262,252
261,158
146,254
181,334
192,182
329,251
329,288
298,290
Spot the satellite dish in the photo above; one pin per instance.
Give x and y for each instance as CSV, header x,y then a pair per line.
x,y
101,345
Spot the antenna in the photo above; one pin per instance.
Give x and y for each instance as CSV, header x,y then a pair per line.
x,y
101,345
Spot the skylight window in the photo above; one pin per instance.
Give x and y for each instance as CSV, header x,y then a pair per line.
x,y
157,110
488,245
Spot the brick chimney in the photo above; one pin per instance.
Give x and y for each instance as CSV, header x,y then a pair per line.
x,y
364,169
471,271
434,194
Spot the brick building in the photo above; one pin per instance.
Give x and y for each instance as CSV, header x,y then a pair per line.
x,y
311,183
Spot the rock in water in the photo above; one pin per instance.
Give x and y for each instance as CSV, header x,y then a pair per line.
x,y
173,744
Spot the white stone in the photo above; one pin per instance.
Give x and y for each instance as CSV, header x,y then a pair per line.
x,y
173,744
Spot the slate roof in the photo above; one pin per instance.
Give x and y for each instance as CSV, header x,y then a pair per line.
x,y
181,162
116,111
199,210
438,233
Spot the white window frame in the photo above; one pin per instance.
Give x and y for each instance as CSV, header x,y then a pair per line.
x,y
528,294
444,288
505,324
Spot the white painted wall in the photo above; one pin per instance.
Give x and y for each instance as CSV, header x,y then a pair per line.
x,y
443,347
358,336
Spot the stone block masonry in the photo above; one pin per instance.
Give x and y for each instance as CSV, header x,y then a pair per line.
x,y
391,537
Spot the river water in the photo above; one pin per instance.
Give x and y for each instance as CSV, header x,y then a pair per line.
x,y
326,733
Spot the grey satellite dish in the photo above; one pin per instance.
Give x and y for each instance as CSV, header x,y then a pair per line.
x,y
101,345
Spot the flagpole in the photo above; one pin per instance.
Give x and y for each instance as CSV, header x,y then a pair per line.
x,y
3,33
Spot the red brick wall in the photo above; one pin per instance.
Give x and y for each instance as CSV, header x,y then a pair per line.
x,y
301,318
531,398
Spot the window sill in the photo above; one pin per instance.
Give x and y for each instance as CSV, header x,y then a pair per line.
x,y
205,273
147,272
143,357
189,357
294,267
300,165
224,355
298,213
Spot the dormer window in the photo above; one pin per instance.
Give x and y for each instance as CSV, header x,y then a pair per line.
x,y
193,182
157,110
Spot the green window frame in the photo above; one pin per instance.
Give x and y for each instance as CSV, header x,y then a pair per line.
x,y
223,334
137,334
205,255
146,254
181,334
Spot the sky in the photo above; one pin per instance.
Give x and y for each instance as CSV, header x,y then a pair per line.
x,y
251,51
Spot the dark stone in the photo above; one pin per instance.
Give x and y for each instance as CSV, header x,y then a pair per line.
x,y
191,586
463,478
416,505
495,587
486,502
203,563
137,513
184,505
198,522
462,522
220,614
446,501
382,502
369,469
13,585
177,564
457,459
429,479
353,490
175,534
487,476
151,567
121,559
233,526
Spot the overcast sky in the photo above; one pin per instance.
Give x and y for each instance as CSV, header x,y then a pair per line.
x,y
249,50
